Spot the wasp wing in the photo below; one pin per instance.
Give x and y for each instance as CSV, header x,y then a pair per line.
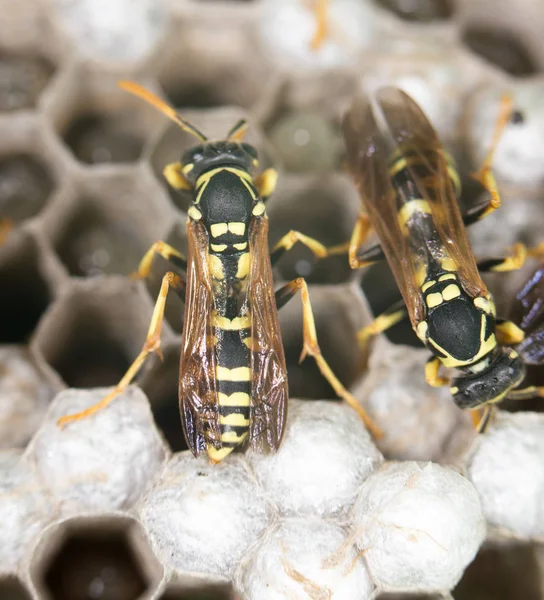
x,y
368,155
415,138
197,391
269,373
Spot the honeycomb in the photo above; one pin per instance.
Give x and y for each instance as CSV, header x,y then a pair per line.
x,y
98,512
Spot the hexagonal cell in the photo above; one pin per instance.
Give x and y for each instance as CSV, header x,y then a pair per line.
x,y
420,11
23,76
98,122
501,572
215,124
25,186
337,311
307,204
94,331
25,292
501,47
109,225
12,588
105,557
194,591
160,384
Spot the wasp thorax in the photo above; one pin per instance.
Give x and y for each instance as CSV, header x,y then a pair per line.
x,y
504,372
211,155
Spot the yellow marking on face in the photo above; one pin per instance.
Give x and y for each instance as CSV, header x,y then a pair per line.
x,y
194,213
237,228
205,177
447,276
237,374
231,324
235,399
411,208
240,246
259,209
243,266
218,229
235,419
187,168
485,304
427,285
452,291
218,247
218,454
421,331
433,300
216,267
233,438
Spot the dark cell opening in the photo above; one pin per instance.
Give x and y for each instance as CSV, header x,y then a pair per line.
x,y
161,387
22,79
501,48
95,564
85,354
24,298
98,138
25,186
205,592
91,244
422,11
317,215
502,573
194,95
12,589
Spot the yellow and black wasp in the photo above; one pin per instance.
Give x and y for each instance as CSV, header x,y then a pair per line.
x,y
232,383
409,187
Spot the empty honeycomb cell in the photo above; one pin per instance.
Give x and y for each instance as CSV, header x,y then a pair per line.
x,y
108,226
502,571
201,517
23,77
160,384
170,145
25,396
501,47
304,205
105,556
97,121
94,331
420,11
188,590
25,293
12,588
336,310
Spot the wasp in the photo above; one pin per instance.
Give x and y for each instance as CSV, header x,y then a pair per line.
x,y
232,383
409,187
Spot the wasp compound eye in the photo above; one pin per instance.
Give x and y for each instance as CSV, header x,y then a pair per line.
x,y
505,373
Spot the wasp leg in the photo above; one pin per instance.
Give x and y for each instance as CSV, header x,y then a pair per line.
x,y
432,367
484,175
266,183
166,251
508,333
152,344
482,424
321,30
173,173
311,347
290,239
360,233
393,315
525,394
520,253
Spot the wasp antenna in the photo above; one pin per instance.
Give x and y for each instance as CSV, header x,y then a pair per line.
x,y
237,133
162,106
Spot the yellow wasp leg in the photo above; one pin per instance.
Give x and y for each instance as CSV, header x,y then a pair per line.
x,y
484,175
321,30
311,348
6,225
508,333
152,344
173,173
525,394
290,239
164,250
381,323
359,235
432,367
519,255
266,183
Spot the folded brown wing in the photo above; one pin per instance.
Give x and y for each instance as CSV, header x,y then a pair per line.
x,y
197,392
269,373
